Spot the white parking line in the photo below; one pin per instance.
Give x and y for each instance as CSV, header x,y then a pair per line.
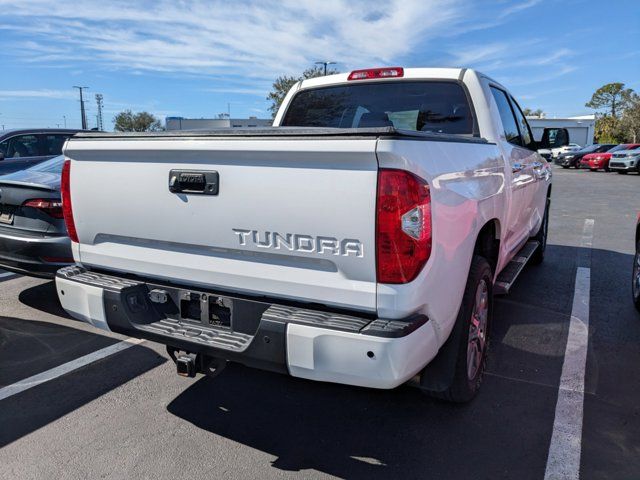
x,y
563,461
65,368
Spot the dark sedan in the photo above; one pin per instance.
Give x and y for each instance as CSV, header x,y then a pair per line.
x,y
572,159
33,236
20,149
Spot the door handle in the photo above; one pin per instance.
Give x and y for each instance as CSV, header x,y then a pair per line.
x,y
517,167
194,182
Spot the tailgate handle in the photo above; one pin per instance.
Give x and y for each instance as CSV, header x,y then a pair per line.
x,y
194,182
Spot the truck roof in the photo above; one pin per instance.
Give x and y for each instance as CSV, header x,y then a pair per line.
x,y
435,73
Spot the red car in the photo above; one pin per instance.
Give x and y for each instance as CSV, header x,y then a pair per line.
x,y
596,161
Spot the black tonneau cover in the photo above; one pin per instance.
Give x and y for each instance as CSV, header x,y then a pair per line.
x,y
289,132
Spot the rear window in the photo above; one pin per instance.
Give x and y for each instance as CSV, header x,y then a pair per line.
x,y
53,165
437,107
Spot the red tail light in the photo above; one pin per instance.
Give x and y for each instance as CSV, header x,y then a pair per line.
x,y
53,208
370,73
403,226
67,210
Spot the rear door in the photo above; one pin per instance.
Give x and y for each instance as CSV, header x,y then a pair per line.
x,y
521,162
536,195
290,218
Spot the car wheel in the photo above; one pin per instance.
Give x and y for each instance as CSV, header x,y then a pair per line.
x,y
541,237
607,169
565,166
593,169
469,340
635,280
621,172
577,165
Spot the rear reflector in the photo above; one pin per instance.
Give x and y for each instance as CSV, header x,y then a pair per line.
x,y
370,73
53,208
67,210
403,226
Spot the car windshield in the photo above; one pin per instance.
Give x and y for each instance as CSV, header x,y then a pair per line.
x,y
618,147
53,165
437,107
589,149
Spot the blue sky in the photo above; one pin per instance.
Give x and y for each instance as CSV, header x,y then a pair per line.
x,y
192,58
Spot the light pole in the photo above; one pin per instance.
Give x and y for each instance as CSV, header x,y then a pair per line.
x,y
64,117
82,115
325,66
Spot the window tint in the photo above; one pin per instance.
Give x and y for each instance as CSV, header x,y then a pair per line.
x,y
506,115
22,146
525,131
622,146
437,107
53,144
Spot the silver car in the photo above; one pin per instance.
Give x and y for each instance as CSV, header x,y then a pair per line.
x,y
625,161
33,236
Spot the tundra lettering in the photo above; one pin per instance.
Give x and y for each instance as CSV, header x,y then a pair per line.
x,y
295,242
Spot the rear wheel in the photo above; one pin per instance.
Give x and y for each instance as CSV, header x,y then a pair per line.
x,y
635,280
470,335
593,169
622,172
565,166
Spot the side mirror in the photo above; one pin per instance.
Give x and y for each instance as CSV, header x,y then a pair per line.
x,y
554,138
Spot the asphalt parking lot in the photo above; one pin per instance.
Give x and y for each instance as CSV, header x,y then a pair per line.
x,y
129,415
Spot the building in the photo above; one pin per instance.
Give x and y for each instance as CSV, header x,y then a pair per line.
x,y
581,129
181,123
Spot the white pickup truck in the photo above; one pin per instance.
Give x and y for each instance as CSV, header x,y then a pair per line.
x,y
360,240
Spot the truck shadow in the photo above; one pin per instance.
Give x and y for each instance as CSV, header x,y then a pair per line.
x,y
43,297
353,432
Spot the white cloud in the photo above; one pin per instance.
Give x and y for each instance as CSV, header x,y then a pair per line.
x,y
247,39
63,94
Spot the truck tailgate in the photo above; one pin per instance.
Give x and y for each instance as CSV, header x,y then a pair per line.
x,y
293,218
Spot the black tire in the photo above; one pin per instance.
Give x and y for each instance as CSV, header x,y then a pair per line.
x,y
464,385
607,169
635,278
541,237
621,172
565,166
593,169
577,165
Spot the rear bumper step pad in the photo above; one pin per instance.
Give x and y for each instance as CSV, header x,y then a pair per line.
x,y
255,335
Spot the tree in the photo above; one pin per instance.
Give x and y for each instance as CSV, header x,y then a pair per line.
x,y
533,113
630,121
128,121
607,129
613,97
283,84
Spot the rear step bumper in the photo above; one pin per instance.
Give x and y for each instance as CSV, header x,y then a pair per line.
x,y
313,344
